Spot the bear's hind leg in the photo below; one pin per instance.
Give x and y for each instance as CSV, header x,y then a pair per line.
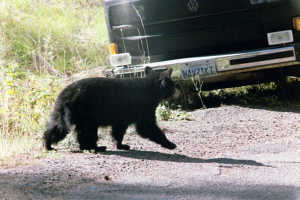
x,y
118,132
149,129
87,137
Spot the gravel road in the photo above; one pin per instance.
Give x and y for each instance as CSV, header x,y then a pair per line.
x,y
229,152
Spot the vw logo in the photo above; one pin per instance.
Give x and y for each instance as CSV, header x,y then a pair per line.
x,y
193,5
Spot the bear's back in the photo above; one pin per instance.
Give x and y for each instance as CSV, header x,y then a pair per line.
x,y
107,100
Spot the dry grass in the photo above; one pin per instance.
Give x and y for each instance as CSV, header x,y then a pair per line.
x,y
69,35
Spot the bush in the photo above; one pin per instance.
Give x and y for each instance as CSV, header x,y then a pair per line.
x,y
25,101
165,113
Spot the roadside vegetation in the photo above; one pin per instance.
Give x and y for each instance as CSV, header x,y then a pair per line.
x,y
26,99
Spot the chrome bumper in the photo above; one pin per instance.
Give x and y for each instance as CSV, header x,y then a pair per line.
x,y
219,64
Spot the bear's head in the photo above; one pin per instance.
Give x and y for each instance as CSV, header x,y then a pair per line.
x,y
163,83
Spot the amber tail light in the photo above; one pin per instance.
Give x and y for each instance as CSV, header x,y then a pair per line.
x,y
113,48
296,23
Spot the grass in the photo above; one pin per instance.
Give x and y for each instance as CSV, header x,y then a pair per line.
x,y
25,103
19,150
70,35
25,99
22,150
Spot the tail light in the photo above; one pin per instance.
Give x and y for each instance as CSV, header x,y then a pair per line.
x,y
296,23
113,48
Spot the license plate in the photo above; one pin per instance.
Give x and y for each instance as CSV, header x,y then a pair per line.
x,y
280,37
199,68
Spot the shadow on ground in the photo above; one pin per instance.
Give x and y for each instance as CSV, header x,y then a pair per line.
x,y
158,156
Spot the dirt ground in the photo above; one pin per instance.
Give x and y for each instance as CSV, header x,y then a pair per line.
x,y
228,152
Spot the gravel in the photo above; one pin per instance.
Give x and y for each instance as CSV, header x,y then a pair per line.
x,y
229,152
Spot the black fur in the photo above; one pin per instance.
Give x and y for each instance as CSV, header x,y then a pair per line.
x,y
93,102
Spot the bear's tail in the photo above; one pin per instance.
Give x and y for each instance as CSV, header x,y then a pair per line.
x,y
57,128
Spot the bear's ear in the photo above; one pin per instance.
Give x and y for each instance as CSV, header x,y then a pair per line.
x,y
166,74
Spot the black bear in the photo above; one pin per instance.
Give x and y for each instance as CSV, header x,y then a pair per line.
x,y
93,102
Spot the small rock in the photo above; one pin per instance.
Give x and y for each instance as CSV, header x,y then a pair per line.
x,y
107,178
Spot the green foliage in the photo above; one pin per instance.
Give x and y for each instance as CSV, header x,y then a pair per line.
x,y
25,100
25,103
165,113
68,34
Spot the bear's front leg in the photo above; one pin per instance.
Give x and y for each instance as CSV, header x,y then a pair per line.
x,y
150,130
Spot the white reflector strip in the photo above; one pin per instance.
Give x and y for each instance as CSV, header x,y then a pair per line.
x,y
280,37
120,59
